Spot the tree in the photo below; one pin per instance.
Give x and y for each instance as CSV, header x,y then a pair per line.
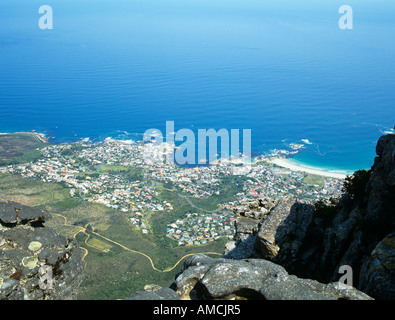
x,y
355,185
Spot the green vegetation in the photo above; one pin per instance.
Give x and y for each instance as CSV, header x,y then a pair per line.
x,y
267,164
325,210
113,168
98,244
111,272
313,180
130,173
128,247
19,148
354,186
229,187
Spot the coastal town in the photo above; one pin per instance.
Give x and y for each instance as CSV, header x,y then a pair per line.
x,y
131,177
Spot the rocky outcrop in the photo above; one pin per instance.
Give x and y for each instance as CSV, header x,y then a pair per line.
x,y
314,243
380,190
205,278
378,272
288,250
254,209
12,213
249,214
377,228
283,229
36,263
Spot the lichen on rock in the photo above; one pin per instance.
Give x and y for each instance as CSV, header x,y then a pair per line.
x,y
35,245
30,262
22,257
206,278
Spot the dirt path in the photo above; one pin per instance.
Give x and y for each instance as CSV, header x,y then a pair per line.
x,y
83,230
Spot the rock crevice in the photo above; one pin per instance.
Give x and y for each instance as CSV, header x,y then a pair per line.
x,y
36,263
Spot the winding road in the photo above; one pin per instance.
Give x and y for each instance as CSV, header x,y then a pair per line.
x,y
83,230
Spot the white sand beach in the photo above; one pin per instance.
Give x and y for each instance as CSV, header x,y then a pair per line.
x,y
286,163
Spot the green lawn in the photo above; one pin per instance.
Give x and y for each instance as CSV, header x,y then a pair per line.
x,y
113,168
313,180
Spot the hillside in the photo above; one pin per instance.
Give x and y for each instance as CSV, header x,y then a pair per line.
x,y
282,249
20,147
288,250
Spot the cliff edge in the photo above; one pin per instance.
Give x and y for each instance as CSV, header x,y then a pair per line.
x,y
288,250
357,230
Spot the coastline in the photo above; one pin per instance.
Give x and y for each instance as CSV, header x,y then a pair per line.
x,y
39,136
288,164
277,159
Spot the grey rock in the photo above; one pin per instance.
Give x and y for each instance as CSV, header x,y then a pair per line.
x,y
254,209
7,213
315,247
28,214
207,278
12,213
249,215
242,249
291,233
28,252
244,227
266,241
160,294
378,273
9,284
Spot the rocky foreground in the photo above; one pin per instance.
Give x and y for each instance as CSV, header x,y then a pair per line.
x,y
288,250
36,263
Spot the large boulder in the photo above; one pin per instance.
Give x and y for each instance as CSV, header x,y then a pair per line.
x,y
36,263
12,213
205,278
378,273
283,228
249,214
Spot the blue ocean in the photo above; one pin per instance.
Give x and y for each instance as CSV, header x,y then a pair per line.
x,y
283,69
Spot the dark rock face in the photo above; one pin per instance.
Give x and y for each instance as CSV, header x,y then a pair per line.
x,y
249,215
357,233
12,213
378,272
283,229
380,190
315,247
35,262
206,278
280,246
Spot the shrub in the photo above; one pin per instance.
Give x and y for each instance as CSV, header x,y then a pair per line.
x,y
354,186
324,209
